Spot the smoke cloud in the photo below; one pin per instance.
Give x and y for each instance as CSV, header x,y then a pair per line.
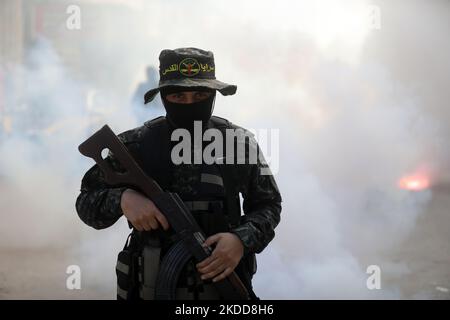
x,y
357,109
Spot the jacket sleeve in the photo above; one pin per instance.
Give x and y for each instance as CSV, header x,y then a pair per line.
x,y
98,205
262,206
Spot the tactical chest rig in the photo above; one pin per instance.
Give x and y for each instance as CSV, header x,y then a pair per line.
x,y
149,267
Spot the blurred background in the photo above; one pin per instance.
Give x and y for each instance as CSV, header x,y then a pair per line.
x,y
359,91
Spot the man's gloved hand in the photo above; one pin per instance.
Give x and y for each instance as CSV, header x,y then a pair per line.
x,y
141,211
224,258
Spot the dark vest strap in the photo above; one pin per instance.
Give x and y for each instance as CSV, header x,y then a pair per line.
x,y
229,175
233,206
155,152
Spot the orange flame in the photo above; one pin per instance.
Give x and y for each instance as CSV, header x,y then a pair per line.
x,y
414,182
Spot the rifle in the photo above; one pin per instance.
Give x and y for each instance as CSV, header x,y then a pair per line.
x,y
170,204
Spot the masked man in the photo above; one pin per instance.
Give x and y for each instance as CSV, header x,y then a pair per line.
x,y
210,190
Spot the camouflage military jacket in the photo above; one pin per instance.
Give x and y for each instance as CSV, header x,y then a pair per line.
x,y
98,204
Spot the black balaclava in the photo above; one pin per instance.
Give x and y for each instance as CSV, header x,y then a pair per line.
x,y
183,115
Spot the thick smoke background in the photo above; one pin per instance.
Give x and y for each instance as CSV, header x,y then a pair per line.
x,y
357,108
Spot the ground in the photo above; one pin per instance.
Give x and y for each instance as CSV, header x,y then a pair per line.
x,y
41,274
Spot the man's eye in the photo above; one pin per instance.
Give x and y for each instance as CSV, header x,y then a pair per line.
x,y
201,94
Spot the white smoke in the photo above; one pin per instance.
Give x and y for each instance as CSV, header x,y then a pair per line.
x,y
353,119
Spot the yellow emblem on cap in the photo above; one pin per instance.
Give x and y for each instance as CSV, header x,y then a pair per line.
x,y
189,67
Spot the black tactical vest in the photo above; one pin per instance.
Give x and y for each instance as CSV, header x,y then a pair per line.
x,y
216,204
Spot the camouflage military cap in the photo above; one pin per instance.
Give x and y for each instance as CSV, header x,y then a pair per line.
x,y
188,67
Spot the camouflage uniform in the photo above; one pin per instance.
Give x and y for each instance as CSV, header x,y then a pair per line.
x,y
98,204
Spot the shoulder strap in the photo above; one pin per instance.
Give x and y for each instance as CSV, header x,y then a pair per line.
x,y
220,122
153,122
155,151
229,176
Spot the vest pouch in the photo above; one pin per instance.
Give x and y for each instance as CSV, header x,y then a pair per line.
x,y
127,268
